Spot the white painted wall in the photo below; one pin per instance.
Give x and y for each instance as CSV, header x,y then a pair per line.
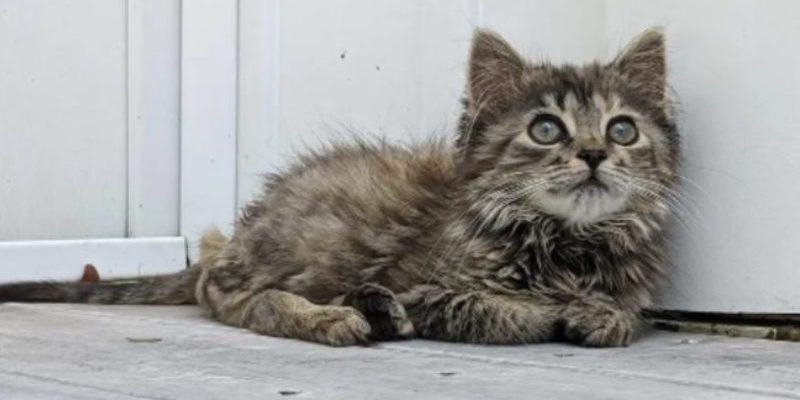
x,y
63,141
209,101
89,126
311,72
736,68
154,129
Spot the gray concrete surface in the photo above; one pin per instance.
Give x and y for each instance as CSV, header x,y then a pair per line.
x,y
123,352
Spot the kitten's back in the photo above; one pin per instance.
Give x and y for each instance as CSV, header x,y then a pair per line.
x,y
338,218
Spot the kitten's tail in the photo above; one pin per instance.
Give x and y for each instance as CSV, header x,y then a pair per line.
x,y
178,288
163,289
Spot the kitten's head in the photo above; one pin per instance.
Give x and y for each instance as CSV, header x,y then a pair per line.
x,y
582,143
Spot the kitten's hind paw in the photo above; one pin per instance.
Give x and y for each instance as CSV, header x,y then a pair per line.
x,y
385,314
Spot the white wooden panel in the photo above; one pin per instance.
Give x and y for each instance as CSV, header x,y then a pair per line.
x,y
734,65
208,115
113,258
365,70
259,29
153,117
558,31
392,69
62,119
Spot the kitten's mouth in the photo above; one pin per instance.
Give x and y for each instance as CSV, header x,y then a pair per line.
x,y
590,183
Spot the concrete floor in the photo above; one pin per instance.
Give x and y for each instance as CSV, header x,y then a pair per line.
x,y
125,352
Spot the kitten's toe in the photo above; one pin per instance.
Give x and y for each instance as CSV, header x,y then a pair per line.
x,y
340,326
385,314
598,324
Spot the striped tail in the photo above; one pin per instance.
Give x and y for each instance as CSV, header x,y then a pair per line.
x,y
176,288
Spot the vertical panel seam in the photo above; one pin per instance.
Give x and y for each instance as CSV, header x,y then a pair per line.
x,y
274,78
128,139
237,109
179,228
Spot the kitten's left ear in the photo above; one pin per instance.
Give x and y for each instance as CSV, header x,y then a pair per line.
x,y
643,63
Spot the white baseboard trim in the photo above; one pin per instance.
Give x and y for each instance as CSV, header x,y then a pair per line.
x,y
113,258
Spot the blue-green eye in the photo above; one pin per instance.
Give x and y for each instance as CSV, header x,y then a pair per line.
x,y
547,129
622,131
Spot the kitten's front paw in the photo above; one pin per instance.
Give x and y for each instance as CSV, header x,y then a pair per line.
x,y
339,326
385,314
598,323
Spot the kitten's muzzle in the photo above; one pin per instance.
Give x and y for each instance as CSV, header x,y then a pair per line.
x,y
589,180
592,182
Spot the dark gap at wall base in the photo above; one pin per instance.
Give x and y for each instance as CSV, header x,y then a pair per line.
x,y
762,326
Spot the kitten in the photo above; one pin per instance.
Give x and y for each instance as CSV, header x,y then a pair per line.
x,y
544,220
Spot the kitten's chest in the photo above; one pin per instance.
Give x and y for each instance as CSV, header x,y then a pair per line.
x,y
556,260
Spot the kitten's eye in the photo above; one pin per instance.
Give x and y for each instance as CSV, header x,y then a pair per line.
x,y
547,129
621,130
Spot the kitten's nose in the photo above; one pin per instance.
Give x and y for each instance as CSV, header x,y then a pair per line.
x,y
592,157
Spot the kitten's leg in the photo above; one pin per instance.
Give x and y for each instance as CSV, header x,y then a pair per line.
x,y
238,297
385,314
479,316
279,313
598,321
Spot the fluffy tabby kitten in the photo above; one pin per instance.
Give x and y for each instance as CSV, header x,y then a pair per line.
x,y
542,221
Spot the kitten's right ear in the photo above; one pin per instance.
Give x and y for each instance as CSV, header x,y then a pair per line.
x,y
643,63
495,73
